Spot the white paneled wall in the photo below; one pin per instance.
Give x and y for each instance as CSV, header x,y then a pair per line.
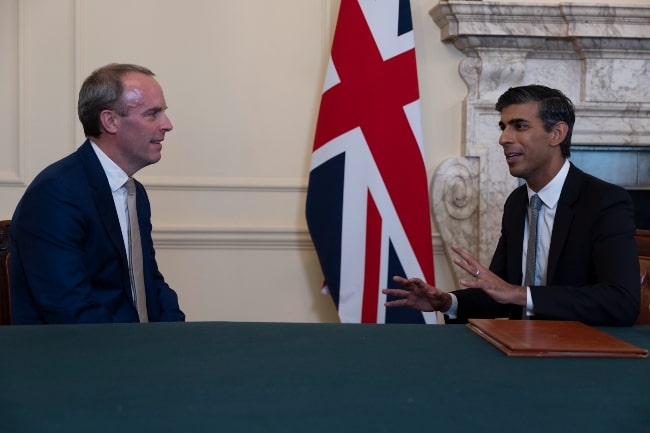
x,y
242,80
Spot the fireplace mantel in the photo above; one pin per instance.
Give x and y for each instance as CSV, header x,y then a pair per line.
x,y
598,55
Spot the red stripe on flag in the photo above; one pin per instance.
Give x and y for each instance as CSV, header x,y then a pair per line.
x,y
372,94
372,263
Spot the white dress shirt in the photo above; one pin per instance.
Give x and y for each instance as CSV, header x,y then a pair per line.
x,y
116,180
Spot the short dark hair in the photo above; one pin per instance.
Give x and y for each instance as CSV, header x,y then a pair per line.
x,y
102,90
554,107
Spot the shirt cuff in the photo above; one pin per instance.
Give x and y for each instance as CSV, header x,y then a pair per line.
x,y
530,311
452,312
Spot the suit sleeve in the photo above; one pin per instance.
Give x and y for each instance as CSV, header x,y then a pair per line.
x,y
50,232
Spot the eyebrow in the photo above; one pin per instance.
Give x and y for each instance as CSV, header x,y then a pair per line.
x,y
511,121
154,110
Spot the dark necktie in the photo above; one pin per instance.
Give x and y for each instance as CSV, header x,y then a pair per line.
x,y
531,252
135,254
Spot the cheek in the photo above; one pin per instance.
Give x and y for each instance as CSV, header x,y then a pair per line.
x,y
145,134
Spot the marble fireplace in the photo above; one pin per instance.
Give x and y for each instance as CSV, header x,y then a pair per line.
x,y
599,55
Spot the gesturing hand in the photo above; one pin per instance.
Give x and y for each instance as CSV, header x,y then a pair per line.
x,y
418,295
482,278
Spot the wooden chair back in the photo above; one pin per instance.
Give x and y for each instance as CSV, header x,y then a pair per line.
x,y
643,248
5,300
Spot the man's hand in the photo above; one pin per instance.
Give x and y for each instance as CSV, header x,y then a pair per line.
x,y
418,295
483,278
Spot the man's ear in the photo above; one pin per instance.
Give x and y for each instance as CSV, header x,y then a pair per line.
x,y
108,121
559,132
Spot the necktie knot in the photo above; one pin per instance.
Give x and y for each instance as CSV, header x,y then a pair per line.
x,y
130,186
535,204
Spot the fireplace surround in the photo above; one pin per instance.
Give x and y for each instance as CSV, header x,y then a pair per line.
x,y
598,55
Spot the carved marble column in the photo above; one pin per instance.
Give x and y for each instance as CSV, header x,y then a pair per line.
x,y
598,55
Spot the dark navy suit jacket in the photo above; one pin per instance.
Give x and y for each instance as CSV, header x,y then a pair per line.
x,y
593,266
68,260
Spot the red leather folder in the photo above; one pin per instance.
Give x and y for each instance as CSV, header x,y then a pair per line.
x,y
550,338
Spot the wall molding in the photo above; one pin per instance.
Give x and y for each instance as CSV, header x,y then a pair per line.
x,y
230,238
237,184
241,238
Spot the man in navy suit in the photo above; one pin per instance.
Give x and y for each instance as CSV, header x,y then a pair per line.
x,y
69,238
586,258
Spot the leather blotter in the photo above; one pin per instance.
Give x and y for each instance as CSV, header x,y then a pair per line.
x,y
550,338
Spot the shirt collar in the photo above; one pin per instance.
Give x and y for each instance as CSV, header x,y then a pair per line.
x,y
115,175
550,194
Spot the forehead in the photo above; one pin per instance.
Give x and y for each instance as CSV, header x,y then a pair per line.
x,y
528,111
141,89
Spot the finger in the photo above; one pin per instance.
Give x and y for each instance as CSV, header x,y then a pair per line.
x,y
464,254
396,303
411,283
468,283
469,263
395,292
463,262
469,268
416,282
458,250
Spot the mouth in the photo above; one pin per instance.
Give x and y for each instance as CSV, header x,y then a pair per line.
x,y
512,156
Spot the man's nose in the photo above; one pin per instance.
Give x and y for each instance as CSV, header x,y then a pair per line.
x,y
505,137
167,124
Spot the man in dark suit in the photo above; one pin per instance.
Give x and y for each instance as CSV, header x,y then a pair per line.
x,y
587,264
69,233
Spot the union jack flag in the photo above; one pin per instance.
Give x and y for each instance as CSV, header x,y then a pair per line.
x,y
367,201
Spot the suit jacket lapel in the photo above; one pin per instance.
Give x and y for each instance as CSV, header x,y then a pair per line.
x,y
563,219
103,196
